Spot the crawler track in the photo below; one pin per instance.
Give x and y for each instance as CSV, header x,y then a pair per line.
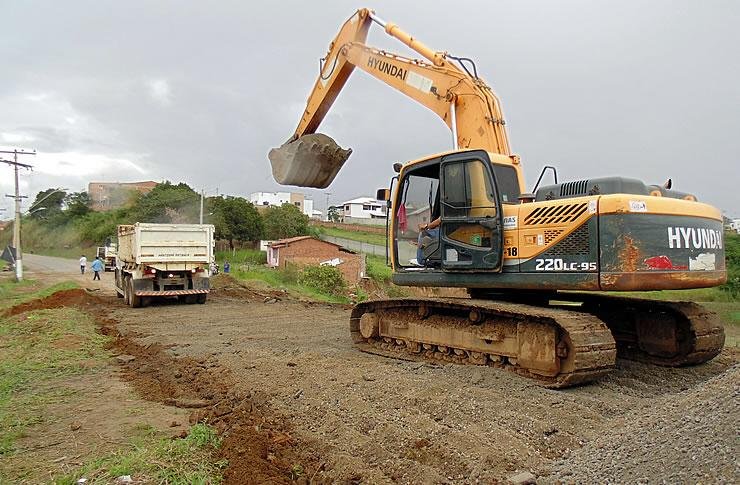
x,y
659,332
553,347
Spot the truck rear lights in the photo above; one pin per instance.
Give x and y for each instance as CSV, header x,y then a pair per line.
x,y
193,270
152,271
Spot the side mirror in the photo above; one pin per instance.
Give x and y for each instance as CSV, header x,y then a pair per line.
x,y
383,194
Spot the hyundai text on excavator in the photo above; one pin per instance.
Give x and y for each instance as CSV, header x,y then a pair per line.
x,y
518,254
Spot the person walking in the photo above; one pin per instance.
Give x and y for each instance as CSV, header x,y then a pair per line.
x,y
97,267
83,264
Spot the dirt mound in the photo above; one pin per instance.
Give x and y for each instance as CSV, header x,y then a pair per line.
x,y
257,445
227,285
65,298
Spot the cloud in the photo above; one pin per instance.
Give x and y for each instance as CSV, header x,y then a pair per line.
x,y
13,138
86,165
159,90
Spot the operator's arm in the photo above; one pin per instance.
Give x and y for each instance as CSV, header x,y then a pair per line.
x,y
432,225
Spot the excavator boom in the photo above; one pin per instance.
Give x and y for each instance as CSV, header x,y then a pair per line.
x,y
462,100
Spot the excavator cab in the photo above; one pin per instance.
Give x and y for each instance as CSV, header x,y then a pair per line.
x,y
469,235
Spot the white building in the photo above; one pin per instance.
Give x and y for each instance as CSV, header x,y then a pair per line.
x,y
277,199
735,225
364,210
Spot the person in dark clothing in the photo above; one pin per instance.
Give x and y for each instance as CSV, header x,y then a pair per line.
x,y
97,267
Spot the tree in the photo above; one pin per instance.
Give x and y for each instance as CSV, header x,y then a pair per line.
x,y
168,203
333,214
732,261
77,203
47,203
235,218
285,221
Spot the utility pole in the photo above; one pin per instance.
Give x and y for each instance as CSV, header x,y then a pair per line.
x,y
201,205
17,224
327,205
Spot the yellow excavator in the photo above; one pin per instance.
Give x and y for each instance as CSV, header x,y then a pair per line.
x,y
464,219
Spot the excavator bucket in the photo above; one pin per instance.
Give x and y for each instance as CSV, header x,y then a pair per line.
x,y
310,161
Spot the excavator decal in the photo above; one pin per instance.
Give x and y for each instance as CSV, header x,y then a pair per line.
x,y
696,238
386,68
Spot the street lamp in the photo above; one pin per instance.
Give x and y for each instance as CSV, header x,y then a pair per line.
x,y
45,197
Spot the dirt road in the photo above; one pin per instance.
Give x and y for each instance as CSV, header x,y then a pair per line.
x,y
374,420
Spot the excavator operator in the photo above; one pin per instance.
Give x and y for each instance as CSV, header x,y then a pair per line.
x,y
429,232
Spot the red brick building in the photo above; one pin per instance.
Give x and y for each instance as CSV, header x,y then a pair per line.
x,y
305,251
106,196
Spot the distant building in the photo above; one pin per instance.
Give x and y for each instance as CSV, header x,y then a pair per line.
x,y
364,210
305,250
276,199
735,225
107,196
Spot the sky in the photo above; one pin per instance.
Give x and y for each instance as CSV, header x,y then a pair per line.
x,y
198,92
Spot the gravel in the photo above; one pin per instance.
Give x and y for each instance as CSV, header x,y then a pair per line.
x,y
689,437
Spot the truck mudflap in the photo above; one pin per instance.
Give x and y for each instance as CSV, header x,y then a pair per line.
x,y
171,292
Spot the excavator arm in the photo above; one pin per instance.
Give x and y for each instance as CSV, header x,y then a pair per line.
x,y
462,100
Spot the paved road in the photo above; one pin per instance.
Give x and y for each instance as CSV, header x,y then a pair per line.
x,y
37,266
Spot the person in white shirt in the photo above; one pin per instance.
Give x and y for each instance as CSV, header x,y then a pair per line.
x,y
83,264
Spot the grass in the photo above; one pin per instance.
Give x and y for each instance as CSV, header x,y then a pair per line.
x,y
249,265
283,280
30,362
69,253
366,237
41,348
241,256
12,293
155,459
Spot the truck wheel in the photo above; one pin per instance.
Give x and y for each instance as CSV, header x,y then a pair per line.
x,y
126,294
134,301
202,298
117,283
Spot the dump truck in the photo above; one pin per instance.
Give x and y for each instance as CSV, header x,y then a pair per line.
x,y
107,255
163,260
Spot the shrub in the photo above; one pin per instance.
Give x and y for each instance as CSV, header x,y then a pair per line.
x,y
732,253
326,279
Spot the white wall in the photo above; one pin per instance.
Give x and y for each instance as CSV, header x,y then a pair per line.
x,y
269,198
277,199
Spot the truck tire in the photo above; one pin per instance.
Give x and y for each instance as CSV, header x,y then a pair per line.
x,y
134,301
202,298
124,285
117,282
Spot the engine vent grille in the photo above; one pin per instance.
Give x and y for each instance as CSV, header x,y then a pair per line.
x,y
551,235
574,244
556,214
570,189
